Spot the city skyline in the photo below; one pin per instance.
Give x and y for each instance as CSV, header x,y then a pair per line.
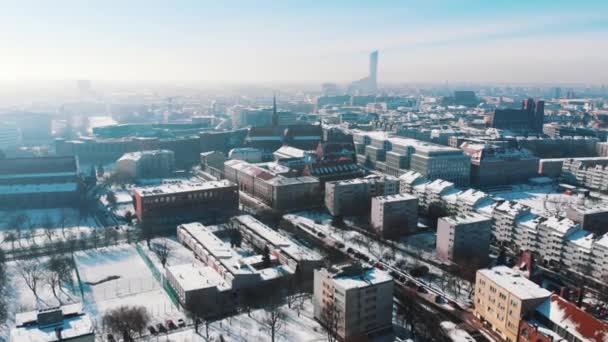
x,y
314,42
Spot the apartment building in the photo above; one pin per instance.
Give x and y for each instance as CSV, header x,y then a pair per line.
x,y
503,297
393,216
464,238
353,300
588,172
353,197
504,215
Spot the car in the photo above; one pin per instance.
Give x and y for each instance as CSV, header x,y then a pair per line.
x,y
152,330
181,323
110,338
161,328
339,245
321,235
350,250
422,289
170,324
411,284
440,300
364,258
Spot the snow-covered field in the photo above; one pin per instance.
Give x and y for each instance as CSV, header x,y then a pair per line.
x,y
131,283
23,299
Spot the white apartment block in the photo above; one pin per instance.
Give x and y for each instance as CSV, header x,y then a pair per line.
x,y
359,299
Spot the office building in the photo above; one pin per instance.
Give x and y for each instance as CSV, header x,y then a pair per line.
x,y
163,206
353,300
503,297
464,239
393,216
369,84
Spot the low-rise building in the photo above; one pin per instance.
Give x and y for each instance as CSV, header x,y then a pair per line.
x,y
353,300
248,154
502,297
393,216
66,323
464,239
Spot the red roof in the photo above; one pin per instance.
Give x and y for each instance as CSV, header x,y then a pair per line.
x,y
569,316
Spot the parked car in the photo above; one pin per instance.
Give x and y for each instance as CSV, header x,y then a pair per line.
x,y
422,289
411,284
161,328
170,324
152,330
181,323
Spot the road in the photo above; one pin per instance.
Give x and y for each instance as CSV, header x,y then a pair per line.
x,y
406,283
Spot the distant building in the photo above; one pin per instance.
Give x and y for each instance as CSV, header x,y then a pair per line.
x,y
65,323
10,138
529,118
38,182
395,155
464,239
174,202
395,215
503,297
275,190
248,154
251,117
369,84
356,300
146,164
353,197
213,163
589,172
492,165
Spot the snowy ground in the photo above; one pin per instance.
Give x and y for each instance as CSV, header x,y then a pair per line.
x,y
135,285
23,299
543,199
64,223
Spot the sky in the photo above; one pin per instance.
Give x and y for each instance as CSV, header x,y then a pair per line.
x,y
503,41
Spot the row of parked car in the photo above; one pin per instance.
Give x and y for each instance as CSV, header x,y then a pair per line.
x,y
161,328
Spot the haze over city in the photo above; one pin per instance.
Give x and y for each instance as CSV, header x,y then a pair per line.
x,y
341,171
312,41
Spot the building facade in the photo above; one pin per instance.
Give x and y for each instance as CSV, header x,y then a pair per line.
x,y
464,239
393,216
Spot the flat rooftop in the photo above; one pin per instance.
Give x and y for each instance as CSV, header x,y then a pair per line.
x,y
365,277
181,186
394,198
74,324
195,277
515,283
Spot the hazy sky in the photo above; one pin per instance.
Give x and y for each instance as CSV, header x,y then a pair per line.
x,y
305,40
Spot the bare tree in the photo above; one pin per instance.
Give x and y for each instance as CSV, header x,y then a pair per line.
x,y
162,252
126,321
95,237
32,272
63,218
273,319
11,237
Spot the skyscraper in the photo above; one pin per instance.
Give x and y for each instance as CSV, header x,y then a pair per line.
x,y
369,84
373,70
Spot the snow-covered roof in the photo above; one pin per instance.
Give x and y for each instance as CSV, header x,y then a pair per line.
x,y
513,282
394,198
75,323
37,188
572,319
181,186
289,152
472,196
277,240
135,156
466,219
512,208
367,276
439,185
560,225
195,277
